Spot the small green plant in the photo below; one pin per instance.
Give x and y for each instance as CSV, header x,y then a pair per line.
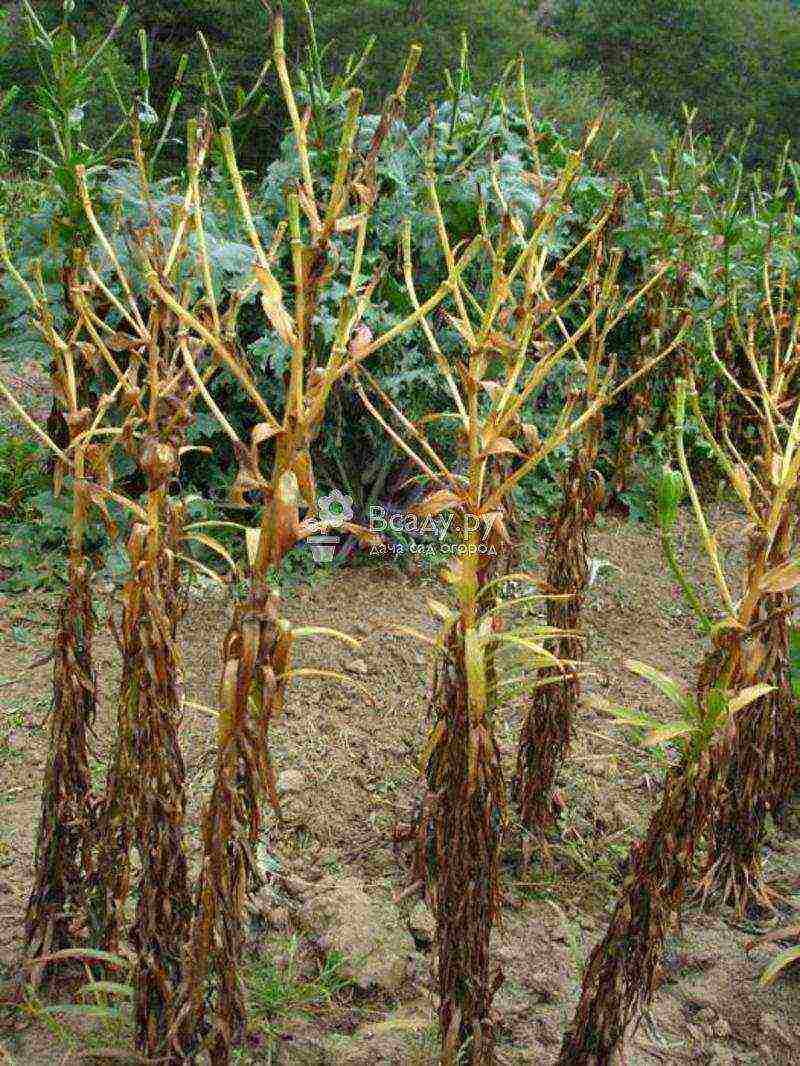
x,y
103,1004
278,987
22,476
786,959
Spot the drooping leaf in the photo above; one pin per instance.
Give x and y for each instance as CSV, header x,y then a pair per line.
x,y
663,682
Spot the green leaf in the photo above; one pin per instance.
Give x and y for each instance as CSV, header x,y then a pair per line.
x,y
621,714
663,682
88,1010
716,705
546,658
747,696
113,988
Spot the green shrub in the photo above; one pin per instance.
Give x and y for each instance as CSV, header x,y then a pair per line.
x,y
22,475
736,61
23,125
571,100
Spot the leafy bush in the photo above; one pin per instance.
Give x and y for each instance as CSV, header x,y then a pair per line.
x,y
24,125
22,475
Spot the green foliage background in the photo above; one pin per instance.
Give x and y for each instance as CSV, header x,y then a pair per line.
x,y
736,61
236,31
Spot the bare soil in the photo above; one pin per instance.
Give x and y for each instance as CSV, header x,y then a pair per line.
x,y
353,749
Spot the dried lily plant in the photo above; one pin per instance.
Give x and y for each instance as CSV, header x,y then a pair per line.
x,y
547,727
509,345
144,805
56,915
754,634
621,974
738,732
209,1011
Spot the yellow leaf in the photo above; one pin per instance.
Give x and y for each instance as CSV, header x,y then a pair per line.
x,y
325,631
261,432
214,545
779,963
740,478
781,578
547,658
252,538
661,681
272,302
747,696
308,671
348,223
409,631
442,500
440,610
430,745
193,564
500,446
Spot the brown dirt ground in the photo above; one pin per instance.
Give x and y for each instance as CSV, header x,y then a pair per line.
x,y
357,759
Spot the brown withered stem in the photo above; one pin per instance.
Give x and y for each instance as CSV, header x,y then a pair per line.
x,y
490,380
210,1009
621,974
763,772
736,694
152,689
145,801
56,916
230,832
546,731
465,775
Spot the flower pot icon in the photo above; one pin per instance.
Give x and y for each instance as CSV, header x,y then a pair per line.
x,y
323,548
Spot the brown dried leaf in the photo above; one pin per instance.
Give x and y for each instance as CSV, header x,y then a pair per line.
x,y
500,446
272,302
441,500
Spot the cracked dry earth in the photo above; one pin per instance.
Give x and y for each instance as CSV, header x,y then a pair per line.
x,y
339,969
